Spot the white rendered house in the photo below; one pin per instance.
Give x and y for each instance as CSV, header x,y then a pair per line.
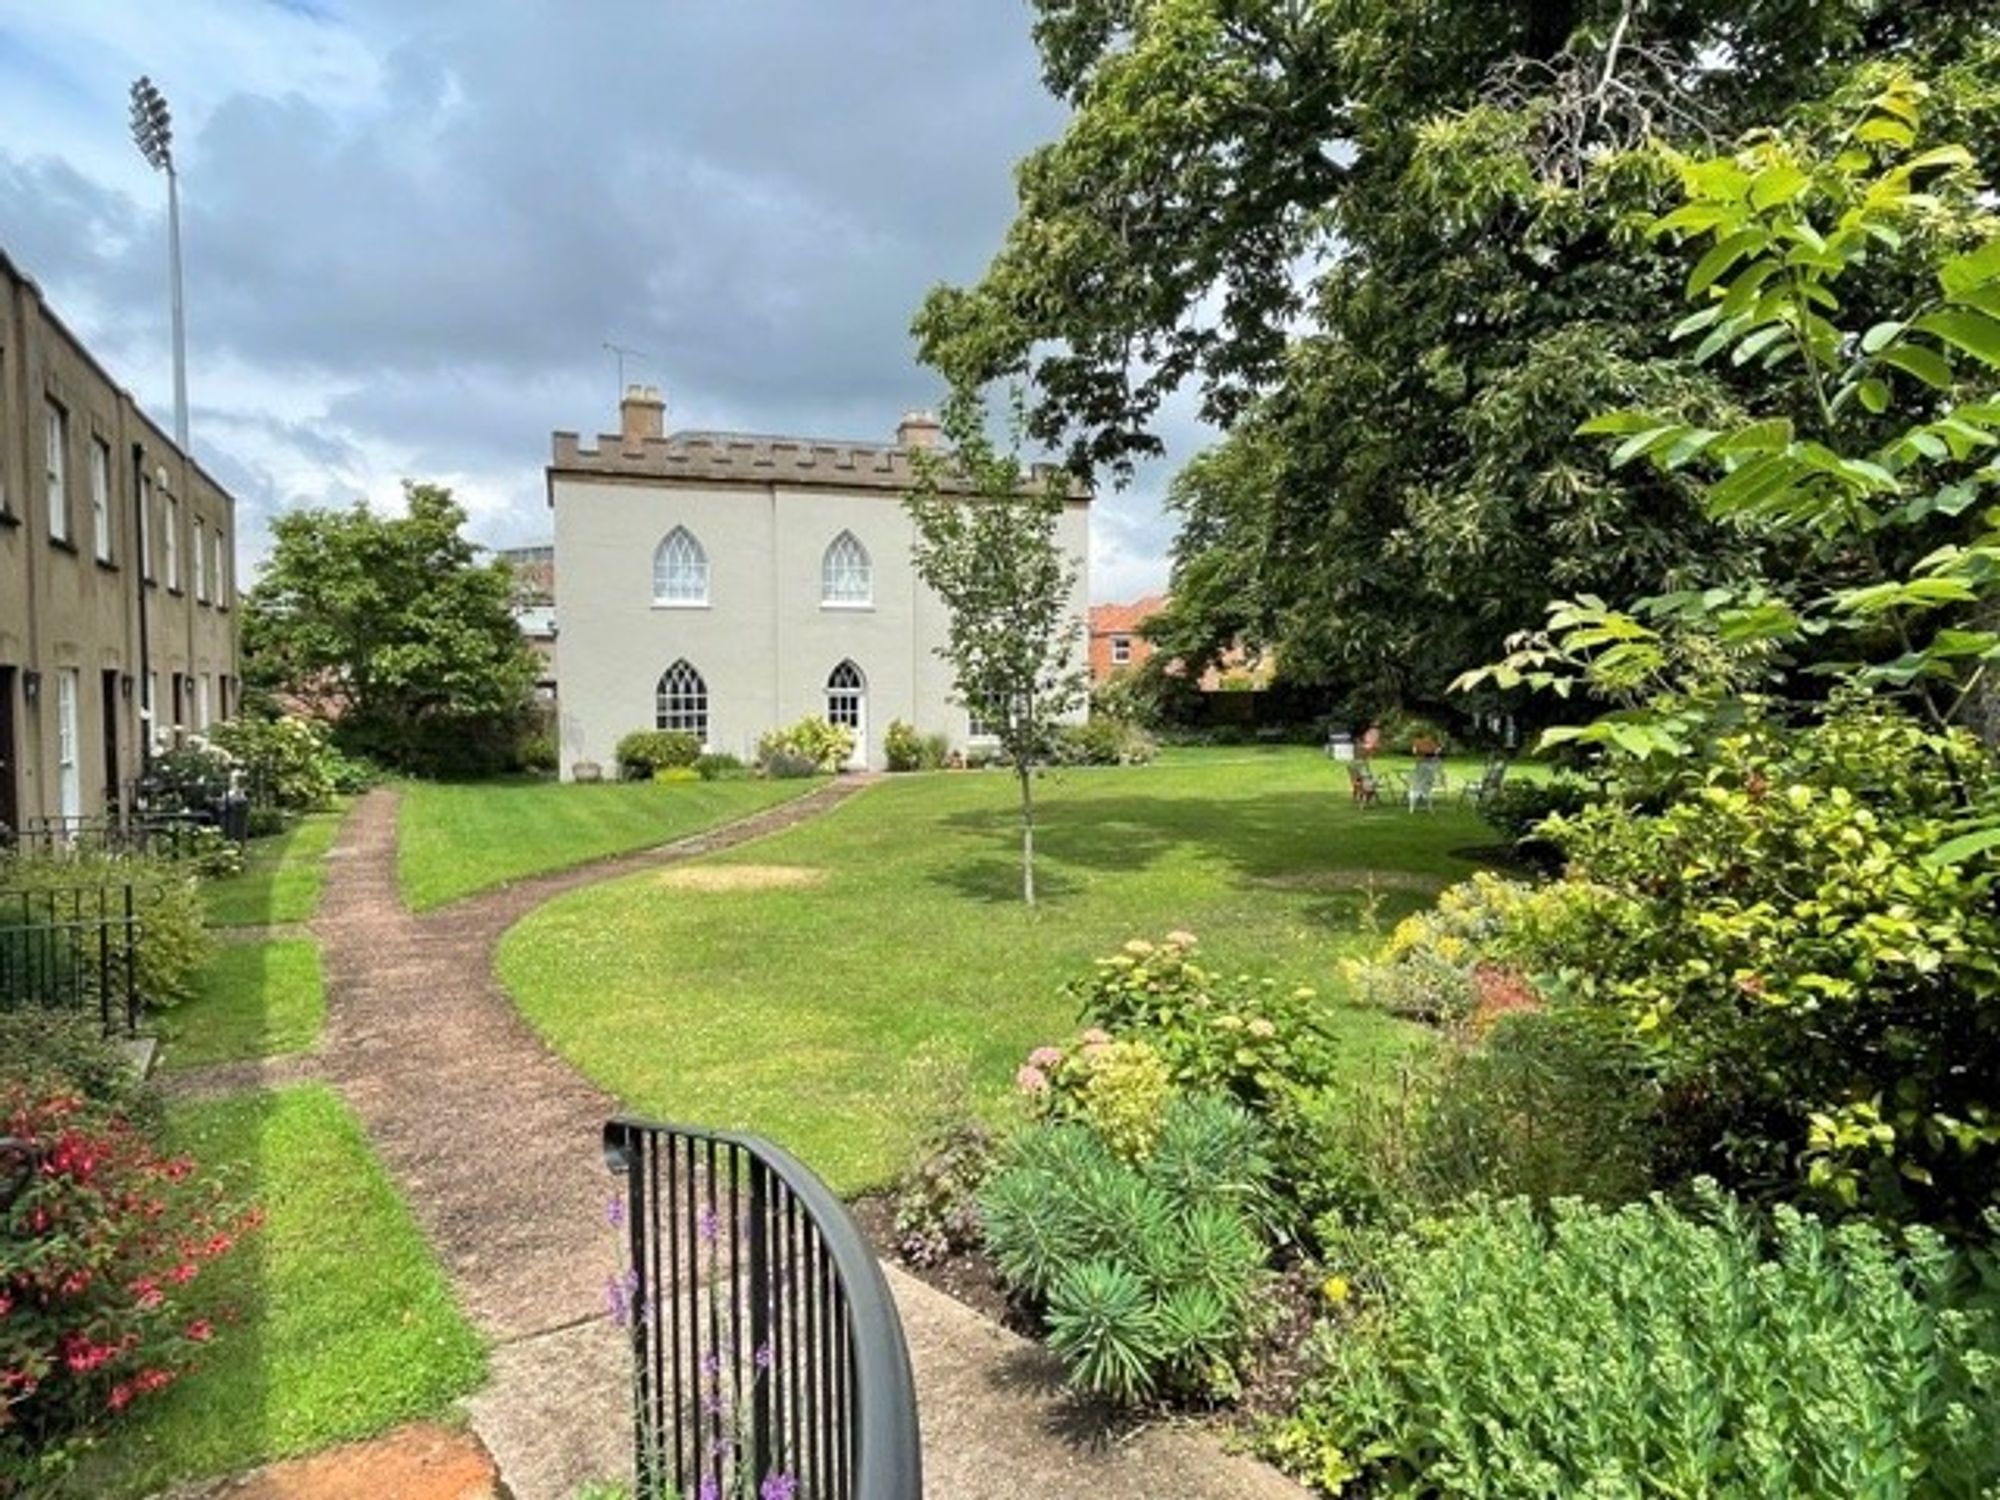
x,y
728,584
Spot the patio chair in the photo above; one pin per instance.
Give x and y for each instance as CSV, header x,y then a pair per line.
x,y
1362,784
1426,781
1482,791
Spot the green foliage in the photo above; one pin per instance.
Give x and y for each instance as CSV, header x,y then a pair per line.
x,y
104,1235
51,1054
541,752
1254,1040
1149,1274
391,625
644,751
1102,741
902,746
987,546
935,1200
719,765
1544,1105
1815,987
1651,1350
1402,485
173,940
1518,810
192,777
286,762
1120,1089
1406,732
823,747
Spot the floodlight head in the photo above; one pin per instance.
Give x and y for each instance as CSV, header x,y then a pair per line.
x,y
152,125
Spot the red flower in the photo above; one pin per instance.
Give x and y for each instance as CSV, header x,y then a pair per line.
x,y
182,1274
201,1330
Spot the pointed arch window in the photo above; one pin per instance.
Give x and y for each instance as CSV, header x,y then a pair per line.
x,y
846,576
680,569
680,701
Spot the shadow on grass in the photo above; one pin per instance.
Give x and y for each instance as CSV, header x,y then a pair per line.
x,y
1263,838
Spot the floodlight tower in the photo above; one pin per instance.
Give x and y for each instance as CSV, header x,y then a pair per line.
x,y
153,134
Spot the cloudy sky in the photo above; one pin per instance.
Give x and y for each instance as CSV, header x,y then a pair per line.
x,y
411,226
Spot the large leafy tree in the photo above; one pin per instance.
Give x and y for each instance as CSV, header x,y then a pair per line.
x,y
987,546
394,626
1395,248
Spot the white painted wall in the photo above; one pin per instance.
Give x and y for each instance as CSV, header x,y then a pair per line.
x,y
765,644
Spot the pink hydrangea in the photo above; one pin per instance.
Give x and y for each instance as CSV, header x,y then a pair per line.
x,y
1030,1079
1097,1036
1045,1057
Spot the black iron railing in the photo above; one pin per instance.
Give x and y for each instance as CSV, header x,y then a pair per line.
x,y
170,835
766,1349
72,948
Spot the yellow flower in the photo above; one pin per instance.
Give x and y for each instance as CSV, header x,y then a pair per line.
x,y
1334,1289
1139,948
1307,992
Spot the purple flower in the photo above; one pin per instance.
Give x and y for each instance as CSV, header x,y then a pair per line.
x,y
778,1485
763,1355
707,1226
614,1211
711,1488
618,1292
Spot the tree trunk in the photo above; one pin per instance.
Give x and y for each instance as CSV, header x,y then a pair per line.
x,y
1027,834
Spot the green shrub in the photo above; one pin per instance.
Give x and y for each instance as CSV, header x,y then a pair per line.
x,y
1645,1350
191,777
719,765
1404,730
286,762
173,941
1518,810
827,747
935,1199
787,765
675,775
351,774
934,753
1102,741
644,751
1815,991
267,822
540,753
49,1053
1149,1275
902,746
1120,1089
1254,1039
1544,1105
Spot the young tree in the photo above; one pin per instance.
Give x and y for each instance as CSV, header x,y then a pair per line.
x,y
987,546
395,626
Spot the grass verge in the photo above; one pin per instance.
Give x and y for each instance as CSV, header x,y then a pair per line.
x,y
787,987
281,879
334,1321
454,838
252,1000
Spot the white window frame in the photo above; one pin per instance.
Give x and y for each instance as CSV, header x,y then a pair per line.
x,y
220,582
145,526
100,497
847,705
201,720
680,571
56,462
170,507
1121,650
680,700
846,574
198,550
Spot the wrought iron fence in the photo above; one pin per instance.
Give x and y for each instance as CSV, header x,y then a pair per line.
x,y
766,1348
73,948
171,835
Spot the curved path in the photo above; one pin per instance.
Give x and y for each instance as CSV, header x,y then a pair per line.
x,y
492,1139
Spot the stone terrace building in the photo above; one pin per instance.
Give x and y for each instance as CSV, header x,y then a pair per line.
x,y
117,586
728,584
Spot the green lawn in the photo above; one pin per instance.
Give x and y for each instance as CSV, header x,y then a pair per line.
x,y
454,838
347,1325
788,990
281,876
253,1000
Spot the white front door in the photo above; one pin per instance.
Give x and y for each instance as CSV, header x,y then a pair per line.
x,y
69,778
847,707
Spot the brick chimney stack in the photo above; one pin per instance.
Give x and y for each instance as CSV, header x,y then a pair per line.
x,y
918,429
642,415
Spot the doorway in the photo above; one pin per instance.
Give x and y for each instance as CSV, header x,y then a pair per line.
x,y
109,702
847,707
69,769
